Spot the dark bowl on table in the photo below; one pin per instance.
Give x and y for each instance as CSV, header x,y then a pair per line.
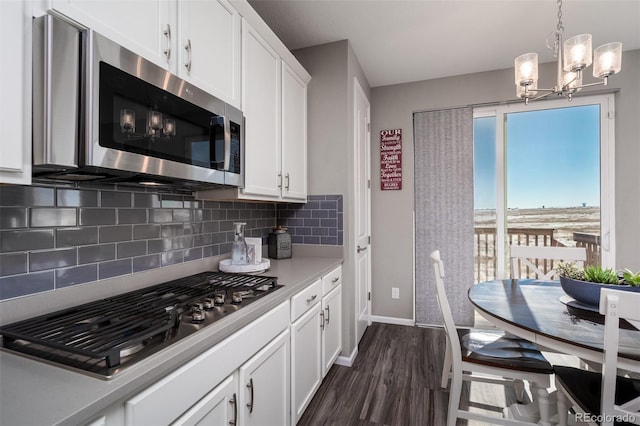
x,y
589,293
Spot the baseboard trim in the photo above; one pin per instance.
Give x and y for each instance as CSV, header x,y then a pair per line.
x,y
392,320
347,361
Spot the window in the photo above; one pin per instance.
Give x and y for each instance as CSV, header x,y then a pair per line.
x,y
543,175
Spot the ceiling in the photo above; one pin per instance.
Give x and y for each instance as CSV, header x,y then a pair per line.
x,y
398,41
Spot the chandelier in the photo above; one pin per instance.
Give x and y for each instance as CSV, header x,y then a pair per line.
x,y
573,57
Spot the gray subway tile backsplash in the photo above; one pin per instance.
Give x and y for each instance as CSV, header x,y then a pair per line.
x,y
13,263
81,235
26,196
52,259
114,268
67,237
13,217
50,217
66,277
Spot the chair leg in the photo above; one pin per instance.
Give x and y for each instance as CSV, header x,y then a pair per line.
x,y
446,368
563,408
454,399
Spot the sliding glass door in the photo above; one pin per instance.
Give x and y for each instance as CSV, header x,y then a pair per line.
x,y
543,176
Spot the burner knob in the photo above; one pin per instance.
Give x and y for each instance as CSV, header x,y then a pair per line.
x,y
197,306
219,298
236,297
197,315
208,303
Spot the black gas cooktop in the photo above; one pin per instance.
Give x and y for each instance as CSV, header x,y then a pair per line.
x,y
102,338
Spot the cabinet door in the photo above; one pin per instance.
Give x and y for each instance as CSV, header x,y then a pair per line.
x,y
332,334
145,27
306,363
261,106
218,407
294,135
15,92
264,383
209,51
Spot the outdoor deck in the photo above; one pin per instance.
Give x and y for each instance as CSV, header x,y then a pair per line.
x,y
485,248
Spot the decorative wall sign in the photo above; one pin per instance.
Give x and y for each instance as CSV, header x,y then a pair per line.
x,y
391,159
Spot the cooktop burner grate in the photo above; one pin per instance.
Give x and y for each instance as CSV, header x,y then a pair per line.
x,y
100,336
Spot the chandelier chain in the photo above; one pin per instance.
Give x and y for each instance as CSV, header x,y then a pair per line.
x,y
560,28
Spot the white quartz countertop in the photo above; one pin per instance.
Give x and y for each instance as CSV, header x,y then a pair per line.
x,y
36,393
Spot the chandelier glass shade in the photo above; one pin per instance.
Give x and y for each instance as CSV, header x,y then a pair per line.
x,y
573,57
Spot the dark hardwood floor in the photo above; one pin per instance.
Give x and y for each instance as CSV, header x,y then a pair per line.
x,y
395,380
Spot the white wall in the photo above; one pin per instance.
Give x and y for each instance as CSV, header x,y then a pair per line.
x,y
392,107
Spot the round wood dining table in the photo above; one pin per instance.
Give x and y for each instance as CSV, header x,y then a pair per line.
x,y
541,312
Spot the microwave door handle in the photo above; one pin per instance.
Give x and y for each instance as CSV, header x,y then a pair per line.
x,y
227,143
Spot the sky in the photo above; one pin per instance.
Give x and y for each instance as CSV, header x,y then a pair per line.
x,y
553,158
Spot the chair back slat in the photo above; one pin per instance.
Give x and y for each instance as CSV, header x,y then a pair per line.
x,y
523,255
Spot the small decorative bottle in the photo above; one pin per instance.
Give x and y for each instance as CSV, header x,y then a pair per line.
x,y
239,249
279,243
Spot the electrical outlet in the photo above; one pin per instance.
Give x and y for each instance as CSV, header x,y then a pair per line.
x,y
395,293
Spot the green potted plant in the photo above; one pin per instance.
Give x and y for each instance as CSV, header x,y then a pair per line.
x,y
584,284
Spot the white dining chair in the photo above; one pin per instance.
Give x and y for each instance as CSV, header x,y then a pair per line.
x,y
603,395
499,357
531,256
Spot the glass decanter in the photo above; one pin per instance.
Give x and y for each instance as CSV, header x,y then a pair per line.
x,y
239,249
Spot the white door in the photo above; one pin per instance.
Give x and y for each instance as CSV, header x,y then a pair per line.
x,y
361,109
264,386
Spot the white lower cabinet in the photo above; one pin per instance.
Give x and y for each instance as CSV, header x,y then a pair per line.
x,y
200,392
218,407
305,359
332,330
316,338
264,380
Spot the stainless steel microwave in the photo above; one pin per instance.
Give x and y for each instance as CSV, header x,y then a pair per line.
x,y
102,112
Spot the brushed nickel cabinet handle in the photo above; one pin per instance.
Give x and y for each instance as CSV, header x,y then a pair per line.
x,y
312,298
280,180
167,33
250,404
187,47
361,249
287,185
235,410
328,316
335,280
322,320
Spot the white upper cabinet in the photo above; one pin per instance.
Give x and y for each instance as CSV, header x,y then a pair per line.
x,y
15,92
261,105
209,47
294,135
144,27
199,40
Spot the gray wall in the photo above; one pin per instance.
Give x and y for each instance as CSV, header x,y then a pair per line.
x,y
333,67
392,221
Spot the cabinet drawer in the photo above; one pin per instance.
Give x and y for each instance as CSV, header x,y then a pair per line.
x,y
302,301
332,280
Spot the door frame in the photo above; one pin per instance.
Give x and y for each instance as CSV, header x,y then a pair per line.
x,y
607,168
360,94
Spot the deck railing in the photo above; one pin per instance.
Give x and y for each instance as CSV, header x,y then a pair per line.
x,y
485,247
